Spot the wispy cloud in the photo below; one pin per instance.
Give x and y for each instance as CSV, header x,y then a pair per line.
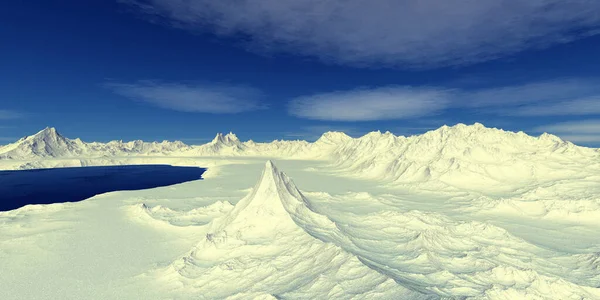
x,y
532,93
578,107
585,131
10,115
204,98
385,103
421,33
568,97
549,98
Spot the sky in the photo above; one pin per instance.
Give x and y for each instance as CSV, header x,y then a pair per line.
x,y
184,70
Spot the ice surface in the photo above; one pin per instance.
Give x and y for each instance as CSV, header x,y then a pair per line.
x,y
461,212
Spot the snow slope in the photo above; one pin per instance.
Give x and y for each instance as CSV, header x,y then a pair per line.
x,y
260,247
188,242
274,243
465,157
46,143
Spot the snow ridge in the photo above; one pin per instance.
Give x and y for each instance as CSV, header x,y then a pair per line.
x,y
464,157
445,140
48,143
273,242
259,246
457,157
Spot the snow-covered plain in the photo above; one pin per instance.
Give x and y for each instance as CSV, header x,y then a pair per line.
x,y
461,212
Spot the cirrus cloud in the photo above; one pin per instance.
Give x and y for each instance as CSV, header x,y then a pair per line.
x,y
583,131
385,103
203,98
416,33
9,114
565,97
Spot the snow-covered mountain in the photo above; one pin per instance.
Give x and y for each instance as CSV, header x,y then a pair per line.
x,y
48,143
275,244
260,246
228,144
461,156
475,141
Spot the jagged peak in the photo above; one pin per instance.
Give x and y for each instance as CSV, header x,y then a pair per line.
x,y
231,136
48,131
227,139
271,182
264,209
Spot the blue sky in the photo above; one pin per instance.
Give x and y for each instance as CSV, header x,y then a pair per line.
x,y
266,69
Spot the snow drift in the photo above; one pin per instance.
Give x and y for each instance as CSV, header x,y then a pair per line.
x,y
274,242
260,247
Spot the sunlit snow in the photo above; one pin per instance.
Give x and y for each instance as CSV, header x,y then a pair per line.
x,y
461,212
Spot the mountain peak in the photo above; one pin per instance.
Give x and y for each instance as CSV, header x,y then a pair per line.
x,y
229,139
269,187
48,131
263,212
270,167
550,137
46,134
334,137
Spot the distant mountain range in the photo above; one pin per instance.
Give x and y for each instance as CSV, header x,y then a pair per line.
x,y
461,156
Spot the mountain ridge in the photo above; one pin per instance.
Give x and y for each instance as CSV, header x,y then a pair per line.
x,y
269,232
460,156
50,143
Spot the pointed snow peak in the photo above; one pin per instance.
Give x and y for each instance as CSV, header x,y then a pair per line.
x,y
263,211
230,139
271,180
48,131
270,166
231,136
218,138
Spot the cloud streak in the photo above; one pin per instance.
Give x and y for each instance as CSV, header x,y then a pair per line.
x,y
415,33
575,107
9,114
585,131
385,103
202,98
568,97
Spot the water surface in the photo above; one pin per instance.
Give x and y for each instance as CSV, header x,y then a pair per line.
x,y
45,186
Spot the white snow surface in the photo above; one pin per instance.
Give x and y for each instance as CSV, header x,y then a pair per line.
x,y
461,212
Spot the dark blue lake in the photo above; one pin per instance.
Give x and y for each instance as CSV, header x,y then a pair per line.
x,y
45,186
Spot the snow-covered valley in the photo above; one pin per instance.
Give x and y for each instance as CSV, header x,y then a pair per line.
x,y
461,212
